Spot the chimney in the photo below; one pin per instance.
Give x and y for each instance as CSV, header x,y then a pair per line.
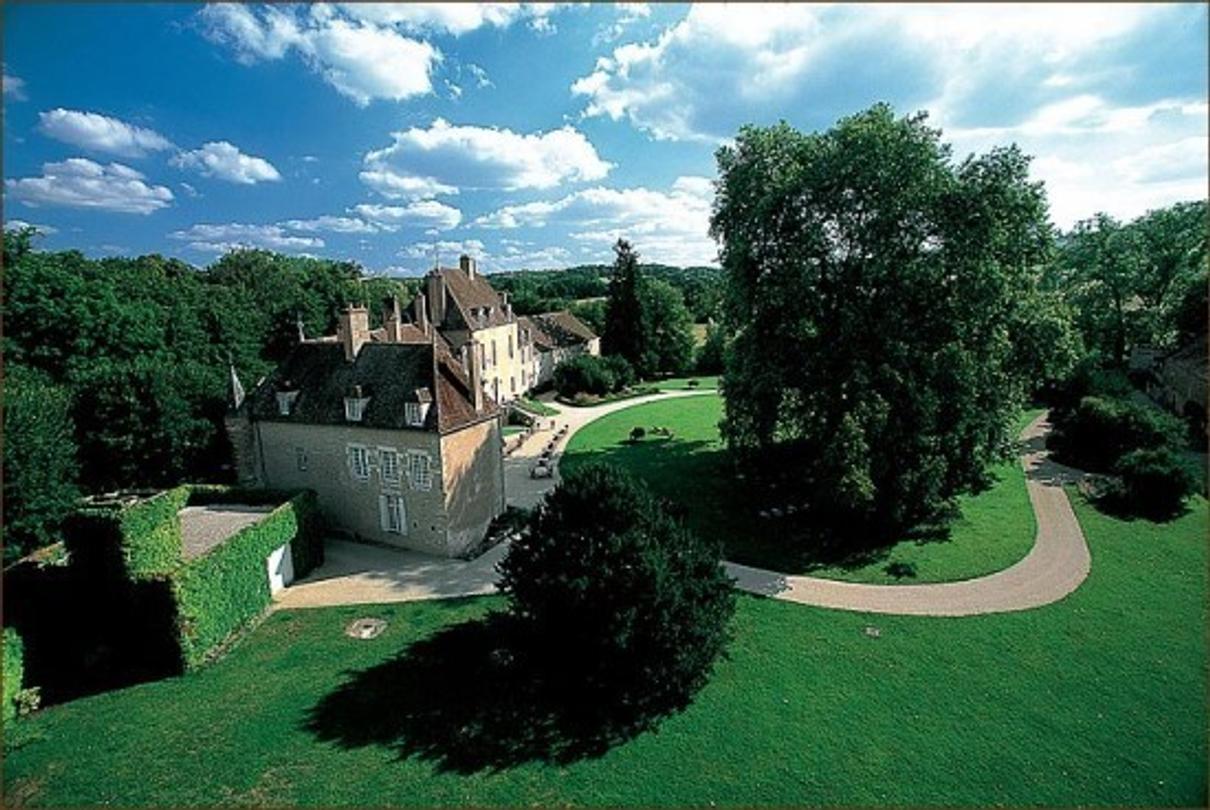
x,y
474,360
354,330
508,309
436,288
420,313
391,320
467,264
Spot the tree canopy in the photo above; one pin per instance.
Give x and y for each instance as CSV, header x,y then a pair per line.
x,y
875,289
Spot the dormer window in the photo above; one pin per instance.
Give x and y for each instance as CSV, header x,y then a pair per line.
x,y
416,412
355,404
285,398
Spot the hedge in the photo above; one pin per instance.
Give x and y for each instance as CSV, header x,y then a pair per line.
x,y
135,541
221,592
14,670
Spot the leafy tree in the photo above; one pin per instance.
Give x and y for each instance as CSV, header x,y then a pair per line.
x,y
640,605
1101,430
872,289
710,356
39,461
624,326
585,374
1153,483
668,329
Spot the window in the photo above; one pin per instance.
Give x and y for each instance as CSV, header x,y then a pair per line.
x,y
388,464
285,401
523,377
494,360
411,412
420,470
359,462
512,384
392,514
510,347
300,458
355,408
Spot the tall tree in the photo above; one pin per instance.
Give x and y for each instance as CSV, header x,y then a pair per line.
x,y
624,328
872,288
39,460
667,327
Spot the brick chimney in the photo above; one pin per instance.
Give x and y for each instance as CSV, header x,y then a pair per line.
x,y
420,313
391,319
474,362
436,295
354,331
467,264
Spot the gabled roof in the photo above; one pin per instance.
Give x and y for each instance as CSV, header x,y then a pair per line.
x,y
390,375
541,341
563,329
475,299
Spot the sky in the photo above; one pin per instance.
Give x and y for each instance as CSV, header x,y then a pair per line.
x,y
534,135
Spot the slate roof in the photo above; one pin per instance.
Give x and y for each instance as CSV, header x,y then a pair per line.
x,y
563,329
541,341
389,374
471,295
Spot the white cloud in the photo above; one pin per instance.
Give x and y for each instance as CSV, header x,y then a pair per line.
x,y
455,18
404,187
13,87
424,250
226,162
100,133
190,190
422,214
20,224
726,65
445,156
361,59
664,226
333,224
81,183
1094,156
480,75
222,238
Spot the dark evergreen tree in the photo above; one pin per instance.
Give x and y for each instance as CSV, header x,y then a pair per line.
x,y
625,330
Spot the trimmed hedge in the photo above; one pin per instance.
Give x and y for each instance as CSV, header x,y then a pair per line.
x,y
221,592
1101,430
14,671
137,541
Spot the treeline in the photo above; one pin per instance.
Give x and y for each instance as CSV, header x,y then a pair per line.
x,y
117,369
542,291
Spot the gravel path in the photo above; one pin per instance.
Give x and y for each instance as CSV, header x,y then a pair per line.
x,y
1056,565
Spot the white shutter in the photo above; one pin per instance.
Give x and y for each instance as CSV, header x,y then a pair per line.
x,y
384,519
402,515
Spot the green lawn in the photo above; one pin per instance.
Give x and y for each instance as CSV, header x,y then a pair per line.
x,y
535,407
995,528
512,430
1097,700
704,382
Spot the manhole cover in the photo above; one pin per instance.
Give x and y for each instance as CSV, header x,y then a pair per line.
x,y
365,628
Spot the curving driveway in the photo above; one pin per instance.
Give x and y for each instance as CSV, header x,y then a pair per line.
x,y
1055,566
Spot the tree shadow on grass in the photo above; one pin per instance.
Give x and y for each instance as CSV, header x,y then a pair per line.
x,y
468,700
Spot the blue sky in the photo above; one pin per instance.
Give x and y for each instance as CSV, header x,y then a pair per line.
x,y
533,135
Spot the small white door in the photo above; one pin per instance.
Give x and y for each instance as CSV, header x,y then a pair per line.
x,y
281,568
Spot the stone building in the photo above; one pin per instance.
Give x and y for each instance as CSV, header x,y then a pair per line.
x,y
555,337
390,427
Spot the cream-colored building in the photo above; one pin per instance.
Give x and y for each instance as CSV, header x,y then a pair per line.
x,y
552,338
388,428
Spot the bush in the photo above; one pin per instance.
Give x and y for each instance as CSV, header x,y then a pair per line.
x,y
1154,483
14,671
585,374
39,462
638,603
624,374
131,541
637,433
1100,431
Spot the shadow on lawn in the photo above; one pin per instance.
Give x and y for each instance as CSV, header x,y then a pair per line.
x,y
468,701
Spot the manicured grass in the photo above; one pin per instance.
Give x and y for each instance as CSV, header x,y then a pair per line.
x,y
535,407
513,430
705,383
1096,700
995,529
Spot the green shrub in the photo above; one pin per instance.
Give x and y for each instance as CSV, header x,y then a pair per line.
x,y
221,592
138,541
637,433
14,670
585,374
1154,483
1100,431
640,605
623,373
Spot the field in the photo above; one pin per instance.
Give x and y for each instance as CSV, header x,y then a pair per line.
x,y
995,528
1098,700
